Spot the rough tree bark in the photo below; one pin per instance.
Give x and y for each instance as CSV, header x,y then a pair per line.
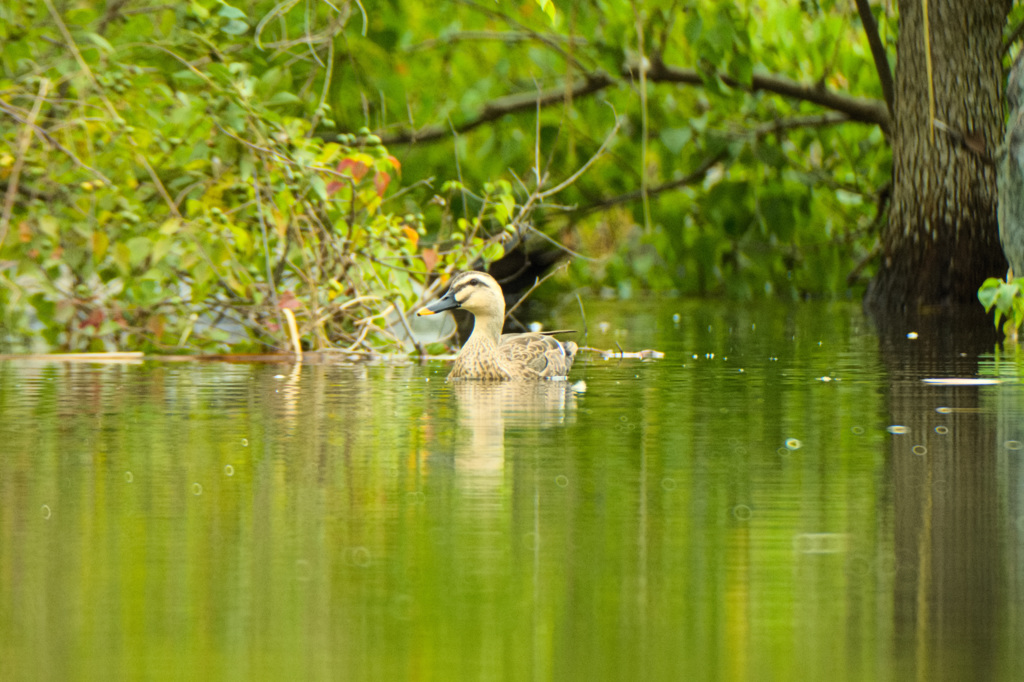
x,y
941,240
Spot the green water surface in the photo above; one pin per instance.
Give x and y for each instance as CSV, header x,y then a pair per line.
x,y
782,497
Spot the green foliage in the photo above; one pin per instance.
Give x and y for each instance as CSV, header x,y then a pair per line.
x,y
180,173
168,192
1008,301
799,197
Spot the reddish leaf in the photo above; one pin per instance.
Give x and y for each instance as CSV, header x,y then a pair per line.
x,y
380,182
356,169
429,257
94,319
289,301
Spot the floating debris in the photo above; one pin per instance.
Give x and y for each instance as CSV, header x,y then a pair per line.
x,y
646,354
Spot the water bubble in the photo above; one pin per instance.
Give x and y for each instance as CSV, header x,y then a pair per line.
x,y
676,318
919,450
128,477
46,512
1012,445
245,442
783,451
793,444
897,429
742,512
229,470
280,376
857,430
359,556
668,484
941,430
911,335
197,489
561,480
944,410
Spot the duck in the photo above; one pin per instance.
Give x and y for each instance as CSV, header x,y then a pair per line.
x,y
490,355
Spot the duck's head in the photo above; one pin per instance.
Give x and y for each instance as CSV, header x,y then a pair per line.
x,y
474,291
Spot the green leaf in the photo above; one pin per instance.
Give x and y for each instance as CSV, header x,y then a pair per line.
x,y
283,98
229,12
693,27
49,226
139,249
987,293
548,7
493,252
99,41
675,139
235,27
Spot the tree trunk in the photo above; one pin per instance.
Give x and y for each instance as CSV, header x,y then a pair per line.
x,y
942,241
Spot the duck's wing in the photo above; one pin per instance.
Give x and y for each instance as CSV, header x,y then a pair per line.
x,y
537,355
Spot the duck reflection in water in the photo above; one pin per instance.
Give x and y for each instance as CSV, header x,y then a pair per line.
x,y
488,409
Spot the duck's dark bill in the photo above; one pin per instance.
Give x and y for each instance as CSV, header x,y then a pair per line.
x,y
446,302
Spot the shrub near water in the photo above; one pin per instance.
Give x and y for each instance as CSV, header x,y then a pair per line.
x,y
164,192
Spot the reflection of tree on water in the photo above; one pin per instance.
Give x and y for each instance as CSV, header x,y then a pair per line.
x,y
487,409
950,586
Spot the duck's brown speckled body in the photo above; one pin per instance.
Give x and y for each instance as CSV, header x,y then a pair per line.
x,y
489,354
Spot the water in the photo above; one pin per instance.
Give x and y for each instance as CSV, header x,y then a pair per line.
x,y
782,497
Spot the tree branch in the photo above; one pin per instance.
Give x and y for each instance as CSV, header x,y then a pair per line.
x,y
492,36
867,19
689,179
497,108
859,109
